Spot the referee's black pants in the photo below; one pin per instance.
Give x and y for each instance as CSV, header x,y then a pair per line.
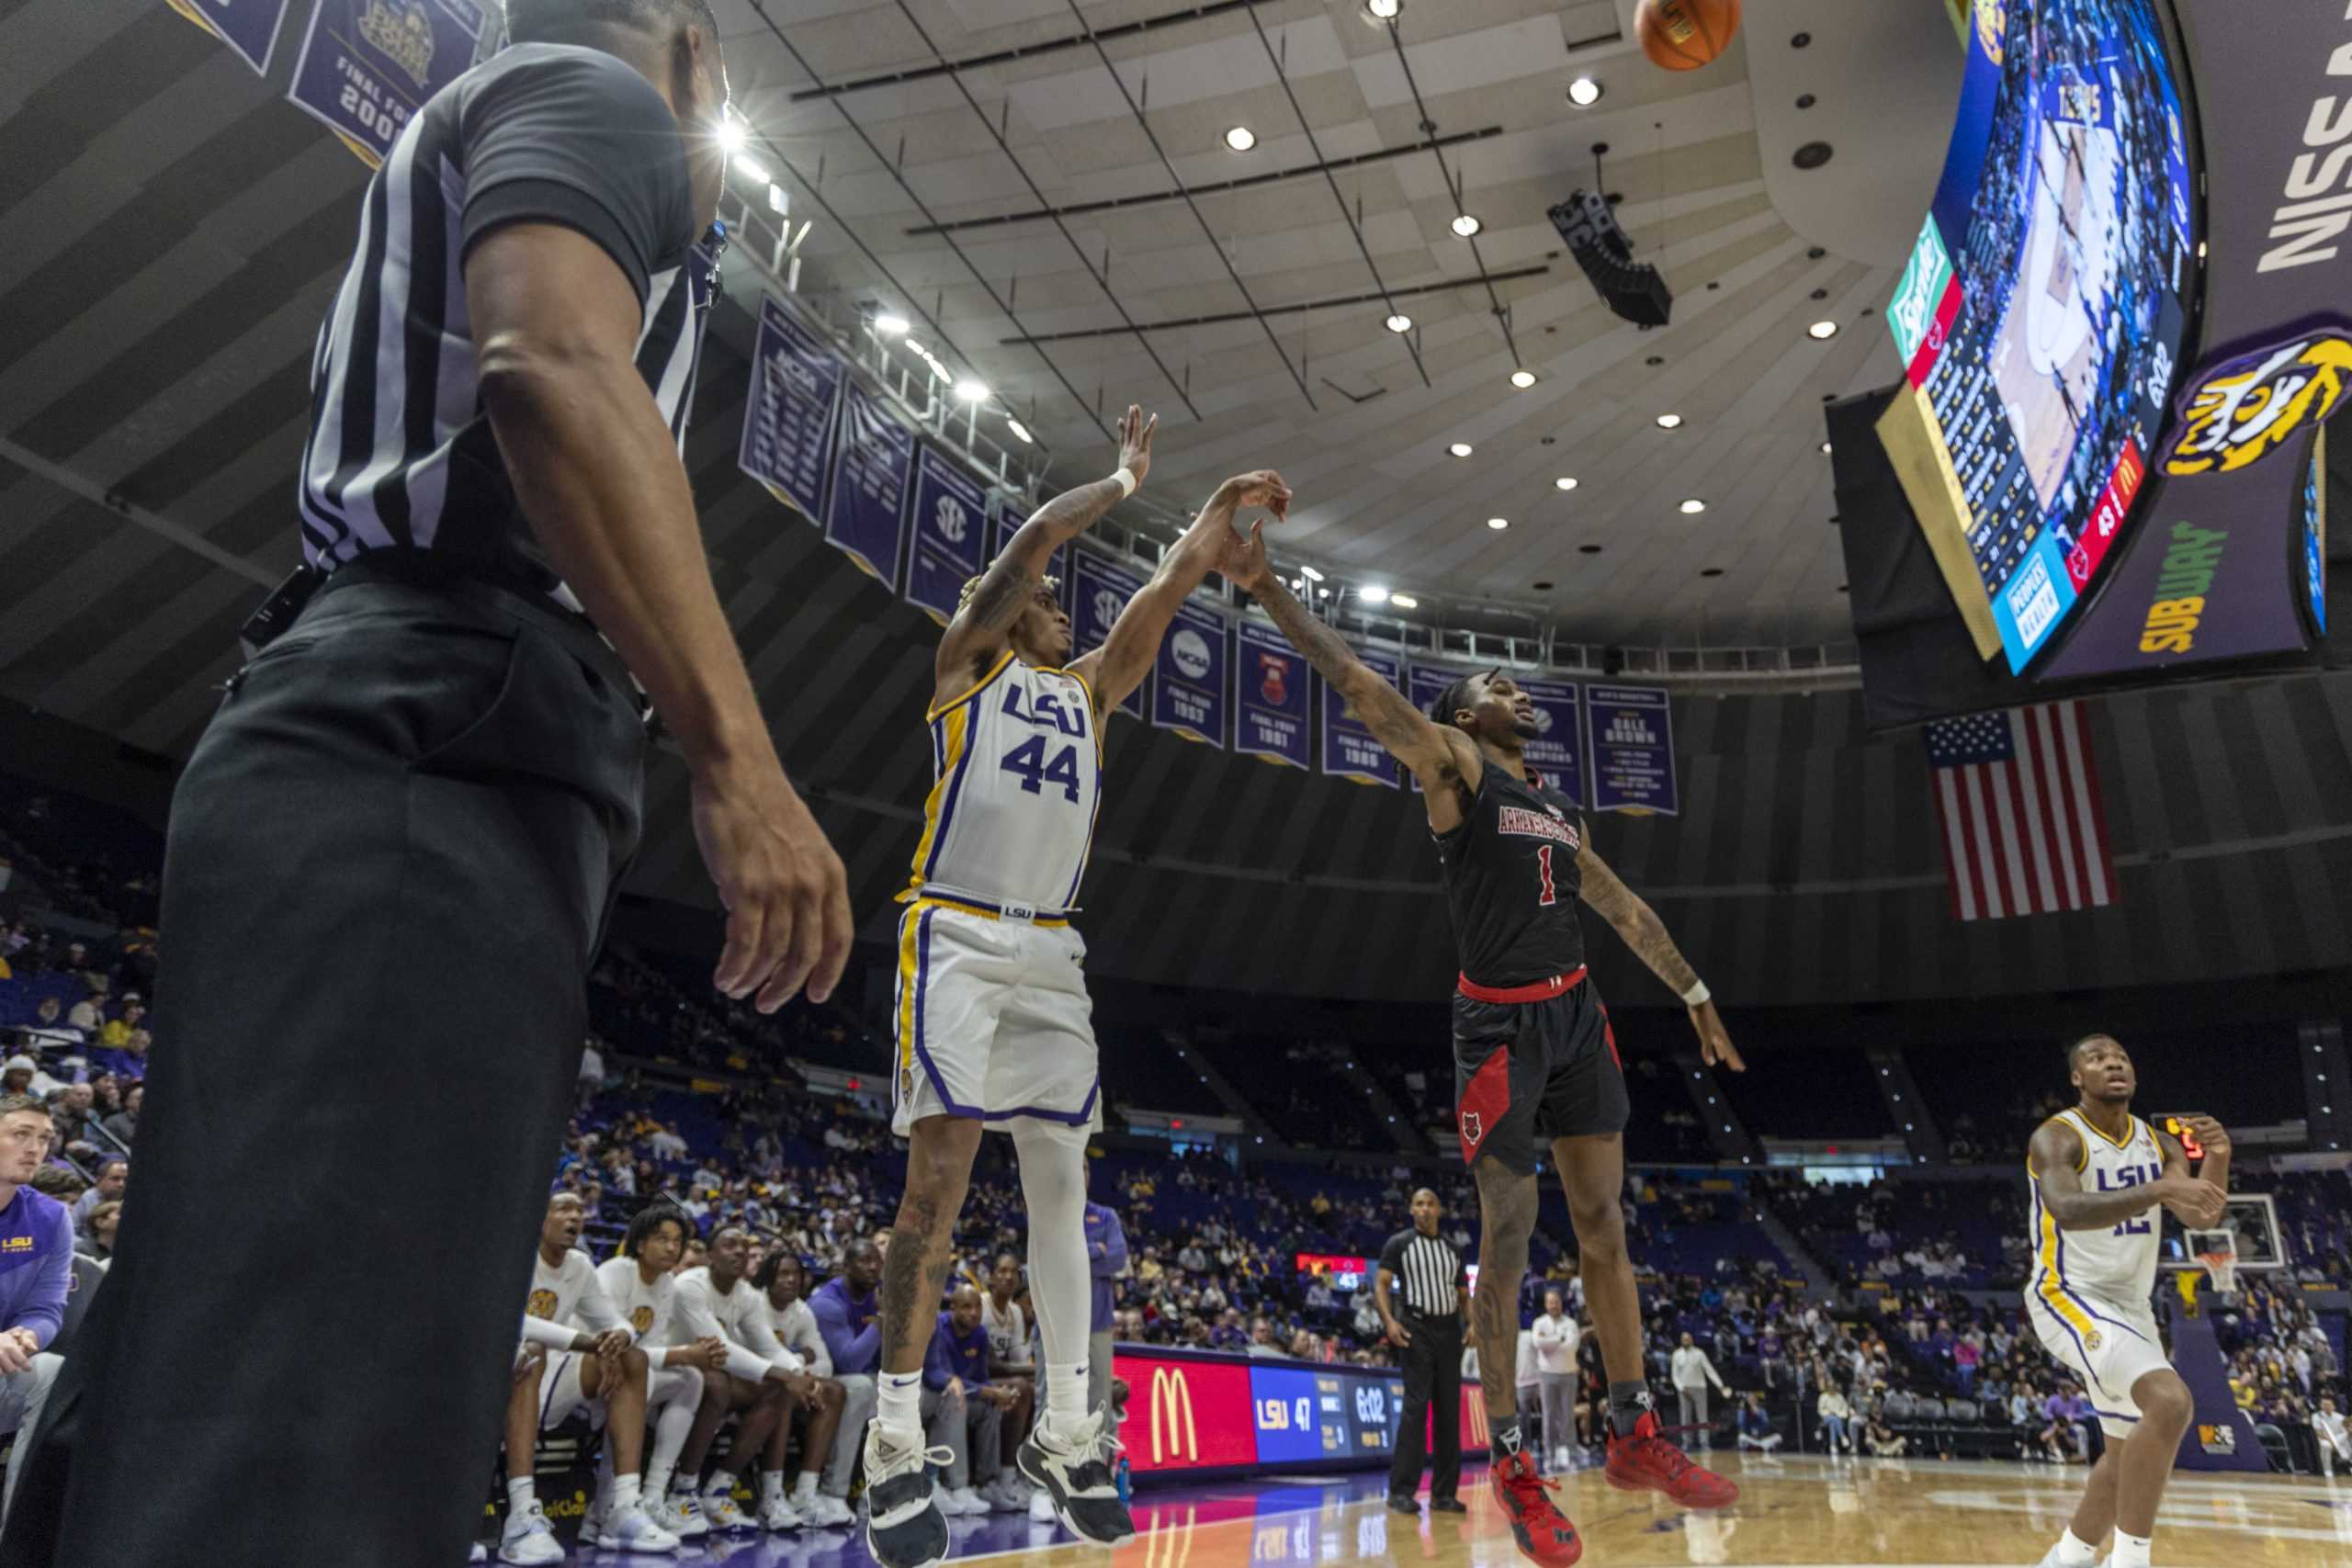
x,y
1433,1384
389,867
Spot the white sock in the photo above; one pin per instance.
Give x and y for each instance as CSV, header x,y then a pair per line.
x,y
657,1479
805,1489
2131,1552
1062,1282
720,1485
522,1491
897,1403
770,1487
1065,1399
625,1492
2074,1552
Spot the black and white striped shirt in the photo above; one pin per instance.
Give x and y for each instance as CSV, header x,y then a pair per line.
x,y
400,454
1428,1272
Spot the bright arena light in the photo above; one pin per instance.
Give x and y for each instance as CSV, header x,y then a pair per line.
x,y
1584,92
1692,507
972,391
1523,379
1465,225
1460,449
1823,331
1241,139
1384,10
1499,523
1404,601
1374,595
1670,421
889,325
1400,322
1018,428
733,137
1564,482
1309,573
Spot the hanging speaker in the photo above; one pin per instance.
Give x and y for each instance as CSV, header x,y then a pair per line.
x,y
1634,291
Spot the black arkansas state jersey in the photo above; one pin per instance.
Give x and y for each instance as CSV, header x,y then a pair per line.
x,y
1511,881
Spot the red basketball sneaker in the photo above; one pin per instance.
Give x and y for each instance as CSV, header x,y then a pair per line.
x,y
1647,1462
1543,1532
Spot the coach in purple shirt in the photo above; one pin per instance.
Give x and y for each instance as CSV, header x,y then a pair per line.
x,y
36,1270
849,1321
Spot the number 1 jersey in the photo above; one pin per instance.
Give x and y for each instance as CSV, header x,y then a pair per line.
x,y
1017,782
1511,880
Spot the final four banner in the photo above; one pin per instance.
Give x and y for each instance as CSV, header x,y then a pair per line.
x,y
788,414
1349,749
865,509
367,65
1269,687
1632,750
1557,751
1099,590
950,511
248,26
1188,691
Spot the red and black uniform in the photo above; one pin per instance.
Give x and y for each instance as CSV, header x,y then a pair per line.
x,y
1534,1058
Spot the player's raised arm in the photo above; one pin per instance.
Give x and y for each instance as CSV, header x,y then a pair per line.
x,y
2214,1140
1443,759
2055,1158
1119,666
1647,935
976,635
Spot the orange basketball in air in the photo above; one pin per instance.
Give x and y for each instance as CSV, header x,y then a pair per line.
x,y
1683,35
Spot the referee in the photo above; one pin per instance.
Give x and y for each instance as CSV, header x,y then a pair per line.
x,y
392,854
1424,1270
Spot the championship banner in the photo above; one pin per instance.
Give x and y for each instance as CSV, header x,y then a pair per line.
x,y
1099,590
1005,517
367,65
865,505
1632,742
950,508
1269,684
1350,751
1188,691
790,412
248,26
1557,751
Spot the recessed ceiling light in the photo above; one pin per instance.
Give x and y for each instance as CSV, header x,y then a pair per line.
x,y
1460,449
1523,378
1823,331
972,391
1241,139
1499,523
1584,92
1372,594
1670,421
1465,225
1383,10
1564,482
1400,322
1692,507
1824,448
1309,573
1404,601
889,325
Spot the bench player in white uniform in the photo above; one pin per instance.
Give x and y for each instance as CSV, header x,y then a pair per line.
x,y
641,1282
819,1399
2099,1174
717,1300
994,1026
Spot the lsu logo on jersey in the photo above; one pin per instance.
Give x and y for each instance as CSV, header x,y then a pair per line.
x,y
2246,407
16,1243
541,1304
640,1318
2094,1339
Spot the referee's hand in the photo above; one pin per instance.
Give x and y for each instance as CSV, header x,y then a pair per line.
x,y
785,894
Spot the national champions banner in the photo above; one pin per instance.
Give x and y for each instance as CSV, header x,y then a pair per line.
x,y
788,413
367,65
248,26
1556,751
1631,741
1270,692
1099,590
865,503
949,511
1349,750
1188,687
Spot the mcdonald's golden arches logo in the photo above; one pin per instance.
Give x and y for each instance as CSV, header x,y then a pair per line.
x,y
1172,1403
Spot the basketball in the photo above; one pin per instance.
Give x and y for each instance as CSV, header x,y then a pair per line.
x,y
1683,35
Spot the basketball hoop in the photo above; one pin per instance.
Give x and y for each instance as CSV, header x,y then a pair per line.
x,y
2217,1251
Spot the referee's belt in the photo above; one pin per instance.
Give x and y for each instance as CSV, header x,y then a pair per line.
x,y
1537,991
987,910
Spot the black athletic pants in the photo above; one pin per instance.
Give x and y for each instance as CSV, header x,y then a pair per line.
x,y
1433,1383
389,867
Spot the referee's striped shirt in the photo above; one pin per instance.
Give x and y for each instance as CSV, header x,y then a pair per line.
x,y
1428,1272
400,454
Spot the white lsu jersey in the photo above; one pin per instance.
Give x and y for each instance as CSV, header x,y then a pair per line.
x,y
1017,770
2115,1265
645,1308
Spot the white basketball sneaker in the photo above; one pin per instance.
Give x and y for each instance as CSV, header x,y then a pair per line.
x,y
633,1529
529,1539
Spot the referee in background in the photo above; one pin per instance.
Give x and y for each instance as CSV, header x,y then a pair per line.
x,y
392,854
1423,1268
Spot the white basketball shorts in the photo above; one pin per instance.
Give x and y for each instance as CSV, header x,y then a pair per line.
x,y
2106,1344
559,1392
993,1022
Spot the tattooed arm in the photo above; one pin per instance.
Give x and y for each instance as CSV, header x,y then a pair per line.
x,y
1645,934
976,635
1442,758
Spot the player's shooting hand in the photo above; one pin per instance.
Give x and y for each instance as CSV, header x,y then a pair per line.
x,y
785,894
1242,556
2208,1135
1134,441
2199,1205
1260,487
611,1343
1398,1334
1716,1048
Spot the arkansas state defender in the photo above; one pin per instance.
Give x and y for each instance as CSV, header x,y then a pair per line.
x,y
1533,1055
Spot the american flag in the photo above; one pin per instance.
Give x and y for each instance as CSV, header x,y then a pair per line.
x,y
2018,795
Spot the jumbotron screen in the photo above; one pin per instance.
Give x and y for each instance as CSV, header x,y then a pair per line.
x,y
2041,317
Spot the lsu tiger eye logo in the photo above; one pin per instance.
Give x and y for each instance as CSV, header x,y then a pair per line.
x,y
640,1318
541,1304
2246,408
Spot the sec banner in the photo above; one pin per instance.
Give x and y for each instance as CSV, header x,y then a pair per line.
x,y
788,413
248,26
865,511
1099,590
1632,750
367,65
1188,691
948,511
1269,681
1350,751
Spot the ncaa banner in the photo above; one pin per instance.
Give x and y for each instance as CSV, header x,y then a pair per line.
x,y
1555,751
1270,685
367,65
788,413
1099,590
1350,751
1005,518
1632,750
950,509
248,26
865,507
1188,691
